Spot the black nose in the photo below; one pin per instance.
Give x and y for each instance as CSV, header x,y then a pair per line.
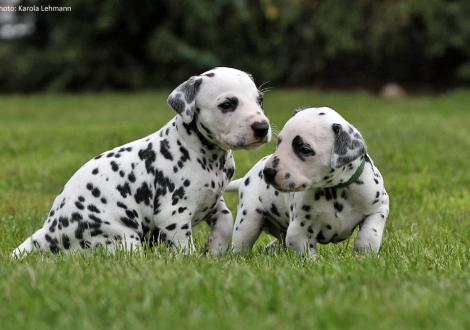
x,y
261,128
269,174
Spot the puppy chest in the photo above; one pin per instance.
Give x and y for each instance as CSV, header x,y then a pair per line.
x,y
334,217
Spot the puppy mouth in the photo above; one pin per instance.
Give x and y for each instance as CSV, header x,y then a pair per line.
x,y
254,144
241,144
291,187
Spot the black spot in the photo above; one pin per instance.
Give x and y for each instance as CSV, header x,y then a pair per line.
x,y
79,205
186,183
103,200
95,171
338,206
229,172
274,210
111,154
171,227
149,156
95,218
96,192
124,189
93,208
121,205
321,237
114,166
247,181
306,208
75,217
129,222
131,177
53,225
65,242
165,149
177,195
131,214
82,226
89,186
143,194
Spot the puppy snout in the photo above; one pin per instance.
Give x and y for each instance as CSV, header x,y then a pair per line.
x,y
269,174
260,128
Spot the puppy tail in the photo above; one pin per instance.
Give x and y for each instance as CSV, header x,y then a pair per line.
x,y
234,185
26,247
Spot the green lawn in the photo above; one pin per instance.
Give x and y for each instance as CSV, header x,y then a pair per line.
x,y
421,279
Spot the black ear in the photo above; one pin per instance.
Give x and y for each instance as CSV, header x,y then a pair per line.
x,y
348,145
183,98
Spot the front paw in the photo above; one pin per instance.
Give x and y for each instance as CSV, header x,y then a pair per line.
x,y
366,247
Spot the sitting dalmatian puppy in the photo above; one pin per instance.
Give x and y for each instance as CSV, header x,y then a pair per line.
x,y
317,187
166,182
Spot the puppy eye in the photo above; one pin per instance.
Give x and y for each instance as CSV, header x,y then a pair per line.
x,y
306,150
225,106
230,104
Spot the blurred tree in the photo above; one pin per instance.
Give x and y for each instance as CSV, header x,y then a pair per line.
x,y
124,44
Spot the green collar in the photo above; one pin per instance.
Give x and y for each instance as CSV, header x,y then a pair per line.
x,y
354,177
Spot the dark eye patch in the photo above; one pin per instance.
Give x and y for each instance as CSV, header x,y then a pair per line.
x,y
229,105
302,149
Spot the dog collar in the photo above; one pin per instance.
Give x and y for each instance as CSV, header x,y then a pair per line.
x,y
354,177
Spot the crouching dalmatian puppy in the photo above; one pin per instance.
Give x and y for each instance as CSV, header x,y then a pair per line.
x,y
166,182
318,186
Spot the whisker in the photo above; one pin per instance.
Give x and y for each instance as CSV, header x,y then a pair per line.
x,y
263,88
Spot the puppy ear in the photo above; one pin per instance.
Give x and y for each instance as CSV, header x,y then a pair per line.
x,y
183,98
348,146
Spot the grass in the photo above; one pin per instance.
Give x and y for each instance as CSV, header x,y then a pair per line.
x,y
421,279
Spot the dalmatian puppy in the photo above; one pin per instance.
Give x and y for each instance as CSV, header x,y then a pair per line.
x,y
318,186
166,182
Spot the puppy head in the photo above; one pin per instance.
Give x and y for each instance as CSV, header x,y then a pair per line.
x,y
312,148
226,107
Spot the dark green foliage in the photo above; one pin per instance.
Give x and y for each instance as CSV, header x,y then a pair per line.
x,y
124,44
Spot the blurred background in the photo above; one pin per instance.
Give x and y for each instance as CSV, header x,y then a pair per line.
x,y
146,44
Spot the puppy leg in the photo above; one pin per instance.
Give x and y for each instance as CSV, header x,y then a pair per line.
x,y
37,241
221,222
300,238
369,237
248,227
179,238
